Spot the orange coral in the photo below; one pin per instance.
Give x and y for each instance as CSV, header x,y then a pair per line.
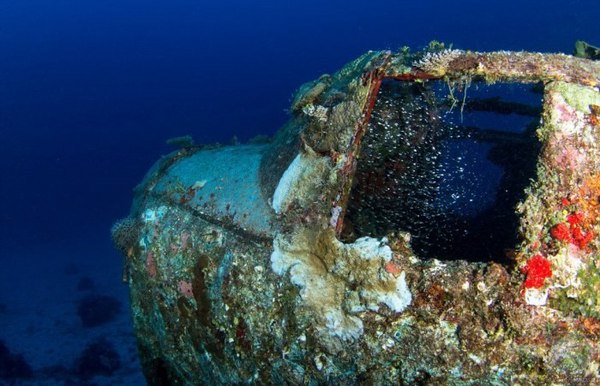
x,y
589,200
393,268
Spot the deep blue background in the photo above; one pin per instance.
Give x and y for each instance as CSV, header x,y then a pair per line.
x,y
90,90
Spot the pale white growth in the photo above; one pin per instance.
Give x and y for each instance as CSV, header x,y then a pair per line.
x,y
437,266
566,117
370,248
475,358
318,111
335,216
568,263
199,184
448,332
345,327
285,183
280,262
318,360
300,181
397,300
338,280
152,215
536,297
437,62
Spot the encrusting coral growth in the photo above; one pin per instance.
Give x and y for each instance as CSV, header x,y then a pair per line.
x,y
564,202
437,63
331,273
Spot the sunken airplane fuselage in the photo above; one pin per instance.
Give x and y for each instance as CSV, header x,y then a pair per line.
x,y
359,247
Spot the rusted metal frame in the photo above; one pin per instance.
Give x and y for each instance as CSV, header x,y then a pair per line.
x,y
413,76
375,78
508,66
468,64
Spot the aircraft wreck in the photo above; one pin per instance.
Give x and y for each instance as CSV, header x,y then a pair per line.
x,y
348,250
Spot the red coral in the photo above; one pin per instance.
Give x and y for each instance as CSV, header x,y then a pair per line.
x,y
576,230
561,232
572,231
575,218
581,239
537,269
586,240
577,234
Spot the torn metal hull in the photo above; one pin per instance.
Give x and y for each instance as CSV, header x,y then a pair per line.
x,y
242,269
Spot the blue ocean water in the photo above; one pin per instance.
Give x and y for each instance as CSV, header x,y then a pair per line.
x,y
90,91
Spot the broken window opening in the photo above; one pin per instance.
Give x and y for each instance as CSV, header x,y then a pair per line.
x,y
449,170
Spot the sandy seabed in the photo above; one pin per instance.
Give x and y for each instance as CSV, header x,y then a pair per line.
x,y
41,288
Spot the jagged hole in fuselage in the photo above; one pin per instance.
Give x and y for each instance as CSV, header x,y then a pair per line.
x,y
447,171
